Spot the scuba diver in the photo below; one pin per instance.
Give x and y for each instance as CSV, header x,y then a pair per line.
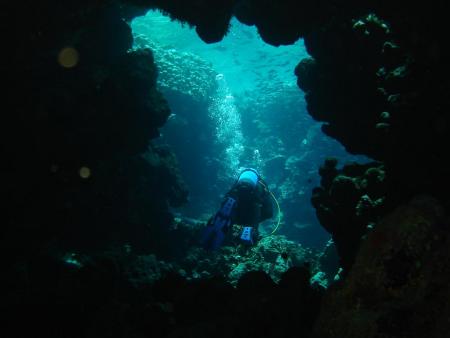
x,y
247,203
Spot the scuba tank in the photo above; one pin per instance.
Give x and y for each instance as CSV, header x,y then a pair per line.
x,y
249,176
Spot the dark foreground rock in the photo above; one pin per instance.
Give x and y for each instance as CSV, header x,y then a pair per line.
x,y
399,284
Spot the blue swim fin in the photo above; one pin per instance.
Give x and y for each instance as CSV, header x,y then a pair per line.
x,y
214,233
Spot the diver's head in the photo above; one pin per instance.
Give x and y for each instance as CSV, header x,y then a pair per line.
x,y
249,176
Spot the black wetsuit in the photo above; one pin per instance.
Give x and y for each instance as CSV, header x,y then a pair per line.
x,y
246,204
253,204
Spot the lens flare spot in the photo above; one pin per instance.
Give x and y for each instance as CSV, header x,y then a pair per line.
x,y
54,168
85,172
68,57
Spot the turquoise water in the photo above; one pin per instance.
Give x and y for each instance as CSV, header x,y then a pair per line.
x,y
244,59
243,62
236,104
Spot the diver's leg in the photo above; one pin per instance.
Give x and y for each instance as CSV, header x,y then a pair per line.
x,y
218,226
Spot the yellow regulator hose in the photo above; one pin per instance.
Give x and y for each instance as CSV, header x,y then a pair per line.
x,y
279,213
278,206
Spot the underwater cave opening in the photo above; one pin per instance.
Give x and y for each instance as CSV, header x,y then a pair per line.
x,y
236,104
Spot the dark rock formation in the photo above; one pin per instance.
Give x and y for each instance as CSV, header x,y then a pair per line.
x,y
348,202
371,86
340,80
399,284
96,296
210,19
280,22
80,110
